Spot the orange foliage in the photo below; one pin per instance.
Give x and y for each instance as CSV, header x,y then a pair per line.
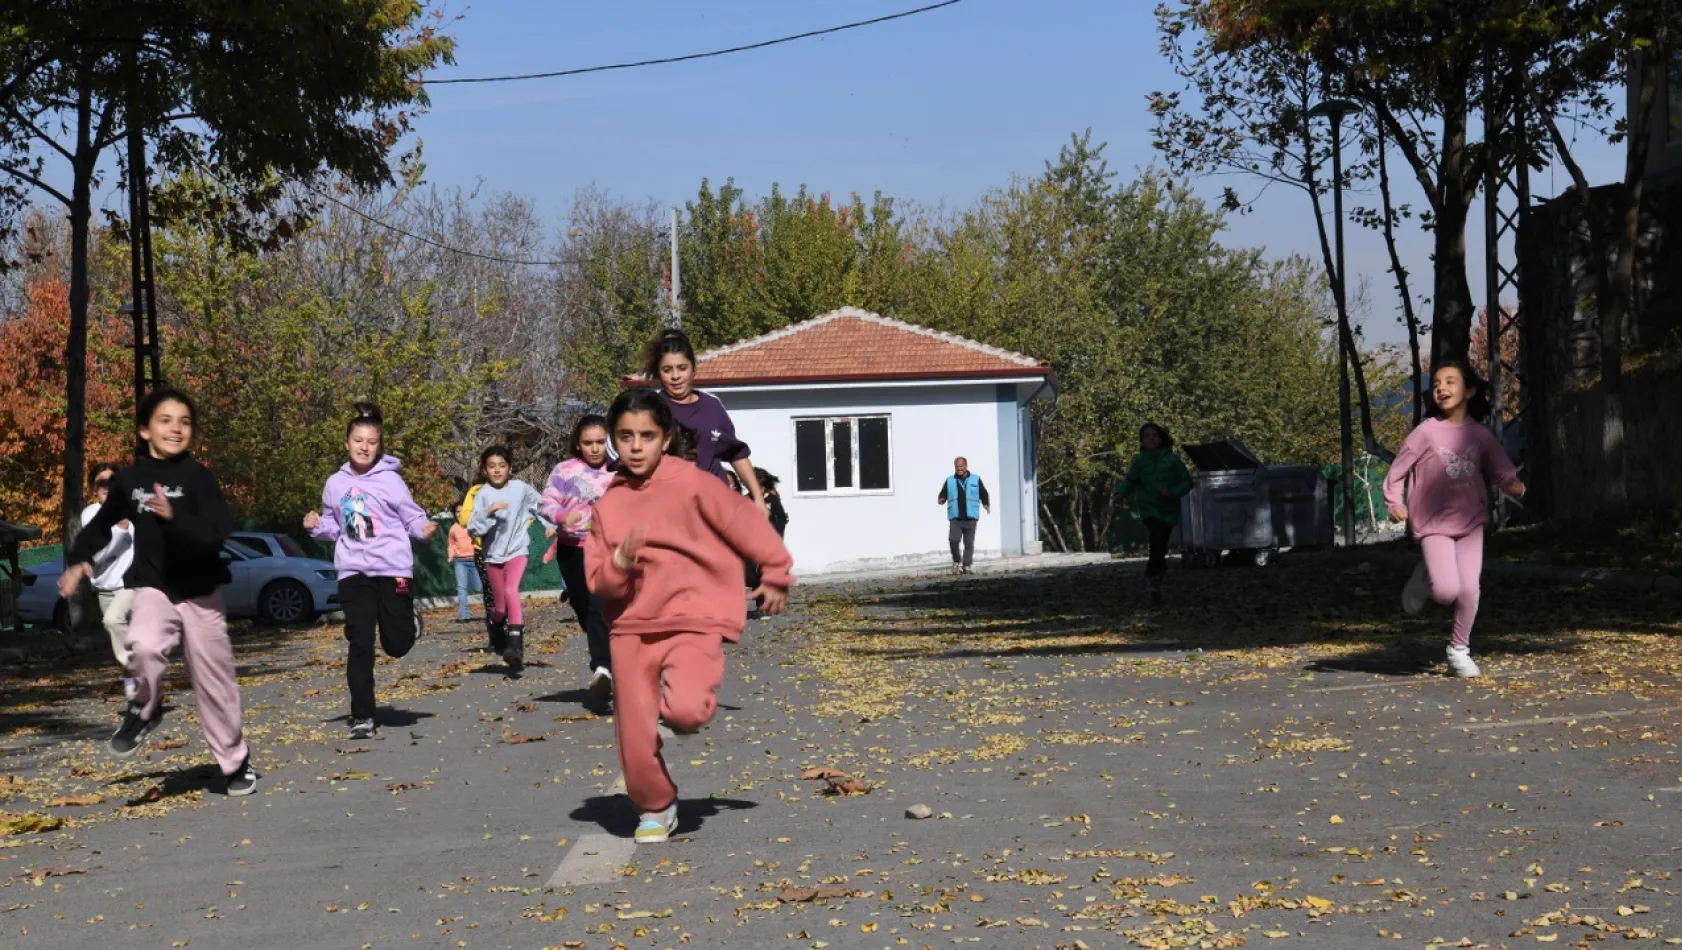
x,y
32,417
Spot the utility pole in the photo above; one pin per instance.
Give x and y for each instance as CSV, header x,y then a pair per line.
x,y
676,318
1335,110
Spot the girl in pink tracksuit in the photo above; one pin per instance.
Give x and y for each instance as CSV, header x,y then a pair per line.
x,y
1451,459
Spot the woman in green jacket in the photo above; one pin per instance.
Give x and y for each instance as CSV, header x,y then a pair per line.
x,y
1155,483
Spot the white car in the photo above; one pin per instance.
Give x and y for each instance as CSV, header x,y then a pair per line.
x,y
275,590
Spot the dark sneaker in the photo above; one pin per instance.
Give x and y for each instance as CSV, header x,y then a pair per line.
x,y
132,731
244,779
362,728
514,649
499,638
601,685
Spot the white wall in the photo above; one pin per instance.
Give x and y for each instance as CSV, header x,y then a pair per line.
x,y
932,424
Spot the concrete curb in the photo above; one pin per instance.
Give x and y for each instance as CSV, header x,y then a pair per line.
x,y
1634,582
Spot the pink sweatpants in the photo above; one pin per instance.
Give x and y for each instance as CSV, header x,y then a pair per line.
x,y
1454,565
200,627
505,581
675,675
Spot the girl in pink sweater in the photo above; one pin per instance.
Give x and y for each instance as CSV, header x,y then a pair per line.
x,y
1451,459
568,502
665,553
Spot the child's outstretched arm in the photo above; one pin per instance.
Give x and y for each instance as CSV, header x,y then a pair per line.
x,y
412,515
1501,469
751,536
609,567
1405,460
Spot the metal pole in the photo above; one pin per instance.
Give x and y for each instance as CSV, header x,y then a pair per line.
x,y
1344,433
677,300
1492,124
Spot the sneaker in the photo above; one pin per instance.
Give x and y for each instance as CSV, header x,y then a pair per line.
x,y
1460,661
601,685
1417,593
657,826
514,649
957,568
362,728
244,779
133,730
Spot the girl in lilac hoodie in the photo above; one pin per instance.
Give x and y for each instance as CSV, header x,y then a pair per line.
x,y
569,499
367,511
1451,459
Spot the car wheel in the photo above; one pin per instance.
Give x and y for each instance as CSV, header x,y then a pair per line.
x,y
61,616
284,603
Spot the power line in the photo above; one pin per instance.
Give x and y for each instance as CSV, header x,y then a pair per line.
x,y
694,56
447,247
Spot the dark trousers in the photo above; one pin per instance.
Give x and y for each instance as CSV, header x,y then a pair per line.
x,y
1159,531
961,531
587,606
374,603
485,593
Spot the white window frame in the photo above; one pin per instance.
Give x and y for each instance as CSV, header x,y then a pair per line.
x,y
829,454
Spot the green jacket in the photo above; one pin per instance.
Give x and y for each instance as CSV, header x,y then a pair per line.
x,y
1150,473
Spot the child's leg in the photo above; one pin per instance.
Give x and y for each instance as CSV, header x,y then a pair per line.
x,y
585,605
154,629
508,595
636,722
210,662
396,604
1468,556
359,597
495,573
692,669
464,584
114,609
1441,565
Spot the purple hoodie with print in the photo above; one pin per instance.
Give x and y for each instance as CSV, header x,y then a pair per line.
x,y
370,517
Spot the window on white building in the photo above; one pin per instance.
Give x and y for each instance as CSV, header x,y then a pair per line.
x,y
842,455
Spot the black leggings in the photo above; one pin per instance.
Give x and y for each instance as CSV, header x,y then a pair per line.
x,y
1159,530
587,606
383,603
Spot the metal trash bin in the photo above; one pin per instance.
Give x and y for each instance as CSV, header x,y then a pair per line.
x,y
1238,505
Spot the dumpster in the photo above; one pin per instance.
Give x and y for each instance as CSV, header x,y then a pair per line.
x,y
1241,507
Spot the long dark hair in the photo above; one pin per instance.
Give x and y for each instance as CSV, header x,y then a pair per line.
x,y
586,421
1477,404
641,400
669,341
1161,433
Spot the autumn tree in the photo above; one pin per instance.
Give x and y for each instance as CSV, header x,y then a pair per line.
x,y
252,89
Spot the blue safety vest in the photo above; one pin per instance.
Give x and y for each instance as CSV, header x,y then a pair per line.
x,y
969,489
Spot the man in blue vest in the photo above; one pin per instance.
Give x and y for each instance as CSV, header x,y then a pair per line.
x,y
965,497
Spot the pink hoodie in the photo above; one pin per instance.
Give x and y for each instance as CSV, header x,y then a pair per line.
x,y
1451,468
574,485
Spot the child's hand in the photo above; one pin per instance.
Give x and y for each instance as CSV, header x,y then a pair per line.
x,y
498,506
71,579
625,555
1398,514
1515,488
428,530
159,503
772,600
312,520
574,519
548,531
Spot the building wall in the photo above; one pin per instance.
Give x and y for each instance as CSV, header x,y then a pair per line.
x,y
931,425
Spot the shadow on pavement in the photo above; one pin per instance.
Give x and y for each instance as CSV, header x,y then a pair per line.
x,y
617,817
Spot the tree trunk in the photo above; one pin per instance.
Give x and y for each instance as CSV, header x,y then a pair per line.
x,y
76,346
1050,523
1074,520
1417,373
1452,311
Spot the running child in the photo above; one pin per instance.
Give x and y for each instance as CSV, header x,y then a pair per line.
x,y
464,512
665,552
180,521
109,566
1155,482
568,501
502,509
1450,458
466,569
369,515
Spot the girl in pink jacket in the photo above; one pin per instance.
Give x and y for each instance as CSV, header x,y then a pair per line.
x,y
1451,459
569,501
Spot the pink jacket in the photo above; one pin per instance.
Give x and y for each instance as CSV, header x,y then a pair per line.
x,y
573,486
1451,467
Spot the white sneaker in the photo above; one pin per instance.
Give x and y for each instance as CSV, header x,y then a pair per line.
x,y
601,685
1417,593
1460,661
657,826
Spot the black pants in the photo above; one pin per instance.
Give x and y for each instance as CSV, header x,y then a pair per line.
x,y
370,603
485,588
961,531
587,606
1160,530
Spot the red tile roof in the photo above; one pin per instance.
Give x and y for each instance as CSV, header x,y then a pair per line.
x,y
851,345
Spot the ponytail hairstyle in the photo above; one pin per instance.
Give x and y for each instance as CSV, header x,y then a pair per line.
x,y
669,341
1478,406
366,414
588,421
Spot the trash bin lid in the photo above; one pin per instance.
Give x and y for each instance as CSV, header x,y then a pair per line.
x,y
18,533
1221,456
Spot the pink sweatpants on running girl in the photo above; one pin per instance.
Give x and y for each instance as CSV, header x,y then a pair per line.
x,y
200,627
505,581
1453,565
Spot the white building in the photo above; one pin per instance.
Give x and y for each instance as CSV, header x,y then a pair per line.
x,y
861,416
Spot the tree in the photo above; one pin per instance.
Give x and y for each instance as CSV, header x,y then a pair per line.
x,y
334,83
